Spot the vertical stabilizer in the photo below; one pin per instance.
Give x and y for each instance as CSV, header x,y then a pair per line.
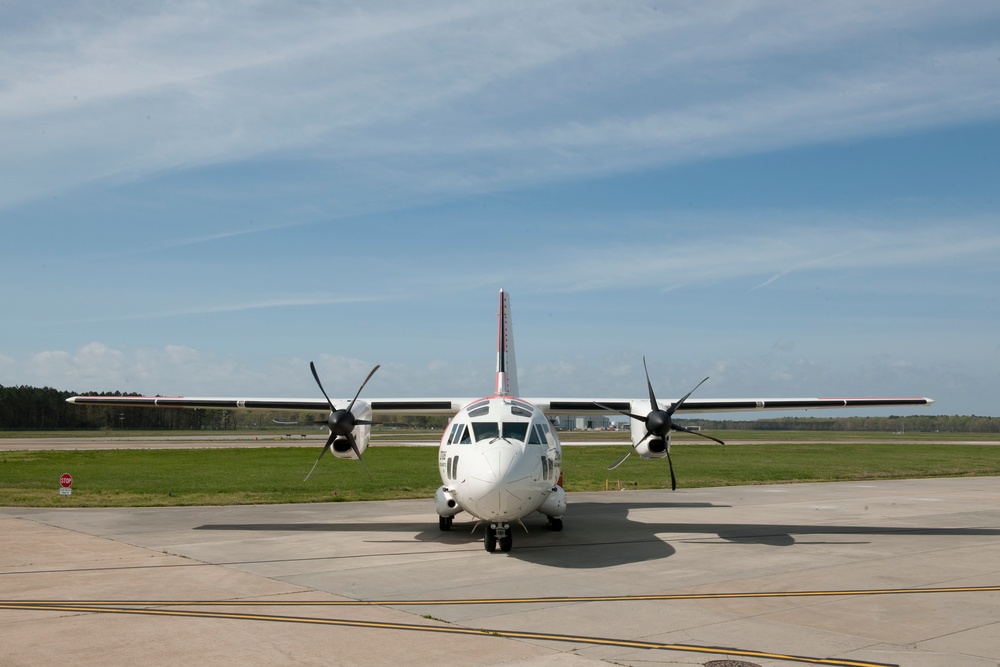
x,y
506,368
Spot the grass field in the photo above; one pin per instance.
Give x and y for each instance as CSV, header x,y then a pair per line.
x,y
121,478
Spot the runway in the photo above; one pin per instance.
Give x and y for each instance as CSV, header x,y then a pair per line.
x,y
897,572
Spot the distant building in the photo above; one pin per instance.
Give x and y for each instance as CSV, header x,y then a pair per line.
x,y
578,423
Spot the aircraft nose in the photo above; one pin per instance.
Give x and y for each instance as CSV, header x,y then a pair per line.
x,y
490,492
500,460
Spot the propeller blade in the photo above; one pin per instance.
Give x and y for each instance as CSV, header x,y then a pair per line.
x,y
621,412
687,430
622,459
316,422
312,367
357,452
634,447
370,374
652,397
673,479
673,408
329,442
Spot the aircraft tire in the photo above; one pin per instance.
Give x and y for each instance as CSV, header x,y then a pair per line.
x,y
491,539
555,524
444,522
507,543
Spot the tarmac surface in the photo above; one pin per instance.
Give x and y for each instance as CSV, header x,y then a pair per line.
x,y
896,572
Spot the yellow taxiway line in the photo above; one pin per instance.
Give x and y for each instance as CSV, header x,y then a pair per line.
x,y
130,607
510,634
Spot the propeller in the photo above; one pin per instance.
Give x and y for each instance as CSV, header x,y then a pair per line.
x,y
659,423
341,422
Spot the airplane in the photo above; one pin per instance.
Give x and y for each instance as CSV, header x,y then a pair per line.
x,y
500,458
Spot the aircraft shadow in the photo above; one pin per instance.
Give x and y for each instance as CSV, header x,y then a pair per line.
x,y
599,535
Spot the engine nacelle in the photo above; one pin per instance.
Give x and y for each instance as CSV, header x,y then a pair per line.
x,y
445,503
341,448
652,447
555,504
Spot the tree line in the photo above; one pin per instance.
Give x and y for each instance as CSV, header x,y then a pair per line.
x,y
45,409
892,424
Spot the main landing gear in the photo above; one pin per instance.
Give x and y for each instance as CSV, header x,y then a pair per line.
x,y
499,533
444,522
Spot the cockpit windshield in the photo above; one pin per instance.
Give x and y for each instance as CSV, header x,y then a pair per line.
x,y
515,430
486,430
507,430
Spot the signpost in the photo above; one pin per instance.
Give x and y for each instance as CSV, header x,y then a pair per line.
x,y
65,482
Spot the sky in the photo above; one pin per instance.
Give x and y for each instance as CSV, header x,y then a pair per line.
x,y
794,199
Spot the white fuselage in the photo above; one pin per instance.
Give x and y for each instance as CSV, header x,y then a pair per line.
x,y
500,460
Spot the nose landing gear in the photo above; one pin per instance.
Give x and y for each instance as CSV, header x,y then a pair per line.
x,y
499,533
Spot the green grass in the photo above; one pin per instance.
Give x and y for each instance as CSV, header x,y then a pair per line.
x,y
125,478
119,478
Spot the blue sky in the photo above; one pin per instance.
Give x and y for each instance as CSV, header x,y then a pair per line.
x,y
796,199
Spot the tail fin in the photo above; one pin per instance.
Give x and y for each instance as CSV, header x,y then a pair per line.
x,y
506,367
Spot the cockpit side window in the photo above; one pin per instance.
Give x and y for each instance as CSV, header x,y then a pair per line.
x,y
459,434
546,429
536,436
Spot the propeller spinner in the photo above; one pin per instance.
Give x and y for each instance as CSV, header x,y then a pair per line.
x,y
659,423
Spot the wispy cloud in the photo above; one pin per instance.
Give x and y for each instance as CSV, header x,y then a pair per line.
x,y
422,97
261,304
828,245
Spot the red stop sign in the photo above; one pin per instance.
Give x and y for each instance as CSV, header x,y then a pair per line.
x,y
66,480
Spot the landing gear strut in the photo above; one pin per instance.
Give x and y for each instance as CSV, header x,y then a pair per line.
x,y
499,533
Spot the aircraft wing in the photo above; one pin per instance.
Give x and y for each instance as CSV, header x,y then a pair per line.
x,y
450,406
